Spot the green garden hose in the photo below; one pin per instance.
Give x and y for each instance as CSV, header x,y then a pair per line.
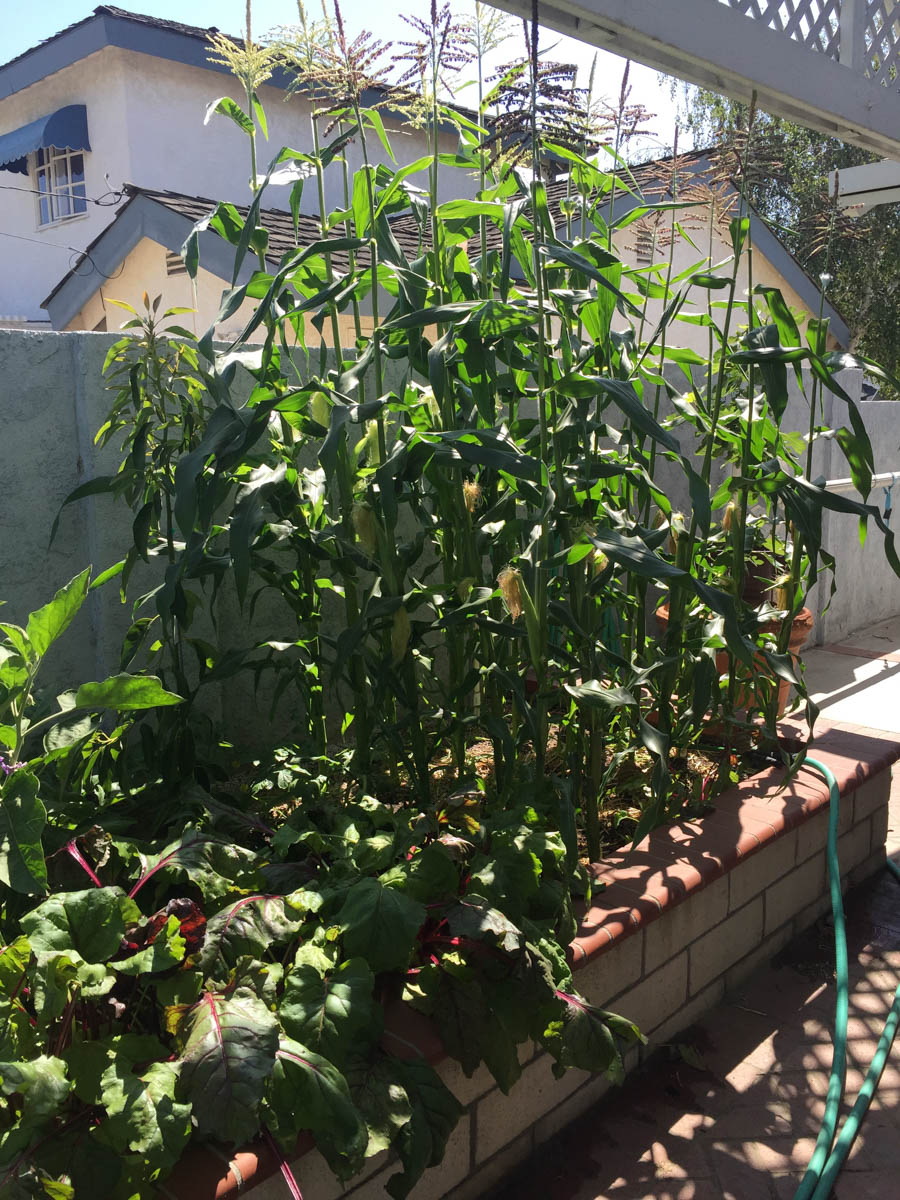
x,y
829,1155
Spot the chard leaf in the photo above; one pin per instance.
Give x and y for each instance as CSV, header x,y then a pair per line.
x,y
431,875
248,927
229,1054
216,866
307,1092
41,1084
165,951
143,1116
452,996
330,1013
380,1098
588,1038
475,918
90,922
54,977
22,820
380,924
17,1030
421,1142
87,1061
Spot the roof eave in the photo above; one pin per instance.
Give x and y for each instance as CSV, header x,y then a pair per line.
x,y
142,217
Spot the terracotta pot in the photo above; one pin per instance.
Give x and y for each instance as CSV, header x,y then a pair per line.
x,y
800,631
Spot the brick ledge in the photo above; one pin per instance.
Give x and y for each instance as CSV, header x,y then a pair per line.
x,y
674,862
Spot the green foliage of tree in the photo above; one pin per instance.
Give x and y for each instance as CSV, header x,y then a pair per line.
x,y
789,188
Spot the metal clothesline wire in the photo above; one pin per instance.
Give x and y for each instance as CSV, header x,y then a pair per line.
x,y
107,200
74,254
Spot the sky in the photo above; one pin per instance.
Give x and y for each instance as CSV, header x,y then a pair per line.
x,y
36,21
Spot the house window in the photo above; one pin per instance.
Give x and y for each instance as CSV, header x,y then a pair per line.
x,y
59,182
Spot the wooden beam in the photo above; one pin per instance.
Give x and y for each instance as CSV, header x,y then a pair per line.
x,y
863,188
717,47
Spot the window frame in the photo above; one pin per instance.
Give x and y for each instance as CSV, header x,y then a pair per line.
x,y
46,163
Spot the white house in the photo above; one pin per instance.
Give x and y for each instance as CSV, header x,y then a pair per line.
x,y
105,165
120,98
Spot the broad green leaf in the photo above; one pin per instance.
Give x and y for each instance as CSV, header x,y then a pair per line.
x,y
473,917
125,693
246,522
22,821
307,1092
588,1038
332,1014
380,1099
143,1115
228,1057
165,951
47,623
217,866
421,1142
14,960
371,116
430,875
229,108
90,922
595,695
86,1061
93,487
18,639
41,1084
260,115
56,975
455,1003
380,924
251,926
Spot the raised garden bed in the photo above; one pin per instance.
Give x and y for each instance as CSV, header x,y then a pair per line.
x,y
682,920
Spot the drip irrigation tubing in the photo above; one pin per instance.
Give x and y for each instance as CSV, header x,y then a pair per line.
x,y
831,1147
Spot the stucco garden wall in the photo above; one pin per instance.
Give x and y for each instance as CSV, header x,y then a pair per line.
x,y
53,399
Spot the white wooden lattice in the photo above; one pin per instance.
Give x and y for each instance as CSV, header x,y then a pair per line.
x,y
882,35
815,23
833,65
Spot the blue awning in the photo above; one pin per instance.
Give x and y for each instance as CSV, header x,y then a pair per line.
x,y
66,129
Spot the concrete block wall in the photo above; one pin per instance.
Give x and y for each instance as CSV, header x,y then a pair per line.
x,y
668,965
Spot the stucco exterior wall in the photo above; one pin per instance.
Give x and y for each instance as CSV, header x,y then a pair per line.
x,y
145,270
32,267
719,252
165,108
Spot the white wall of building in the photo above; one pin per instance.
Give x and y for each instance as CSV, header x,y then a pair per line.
x,y
165,108
36,257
